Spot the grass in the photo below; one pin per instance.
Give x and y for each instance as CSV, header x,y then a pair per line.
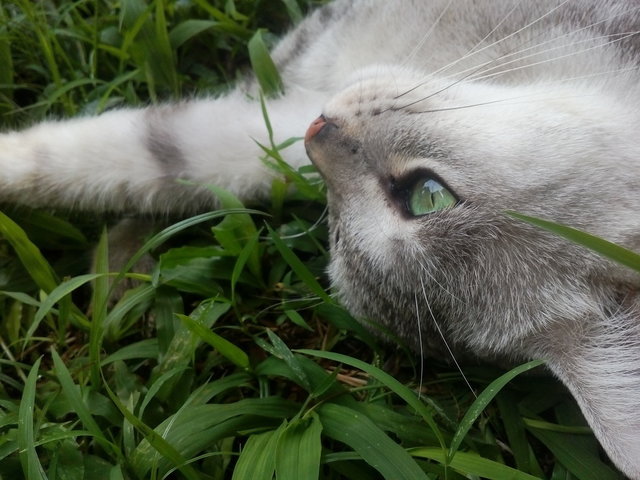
x,y
231,360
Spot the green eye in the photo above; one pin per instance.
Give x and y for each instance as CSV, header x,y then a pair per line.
x,y
428,196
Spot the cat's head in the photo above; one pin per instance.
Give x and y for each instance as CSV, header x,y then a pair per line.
x,y
420,174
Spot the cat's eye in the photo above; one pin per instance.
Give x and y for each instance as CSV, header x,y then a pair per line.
x,y
428,196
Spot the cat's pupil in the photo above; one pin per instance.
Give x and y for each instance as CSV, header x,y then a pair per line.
x,y
428,196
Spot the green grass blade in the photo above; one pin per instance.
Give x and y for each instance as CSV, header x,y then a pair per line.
x,y
43,225
258,458
29,254
226,23
372,444
583,464
250,250
65,88
161,237
280,350
184,342
394,385
188,29
483,400
299,449
6,60
197,427
131,299
294,10
56,295
603,247
227,349
298,267
157,385
22,297
263,66
99,300
554,427
163,447
514,428
296,318
72,393
471,464
26,439
242,228
163,56
143,349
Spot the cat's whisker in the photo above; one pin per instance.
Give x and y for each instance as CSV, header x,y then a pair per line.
x,y
497,42
551,40
313,227
472,51
470,72
444,340
476,70
502,101
431,95
493,30
426,36
291,303
555,39
434,280
520,97
549,60
590,75
420,345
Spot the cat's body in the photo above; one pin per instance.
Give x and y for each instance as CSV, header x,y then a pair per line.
x,y
509,105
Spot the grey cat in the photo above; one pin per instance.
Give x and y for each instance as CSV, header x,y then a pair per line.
x,y
437,117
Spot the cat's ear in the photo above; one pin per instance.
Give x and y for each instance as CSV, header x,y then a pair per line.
x,y
600,364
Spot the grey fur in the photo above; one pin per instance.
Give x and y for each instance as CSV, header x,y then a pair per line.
x,y
495,286
515,105
162,144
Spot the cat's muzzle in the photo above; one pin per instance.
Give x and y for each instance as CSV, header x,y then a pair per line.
x,y
315,127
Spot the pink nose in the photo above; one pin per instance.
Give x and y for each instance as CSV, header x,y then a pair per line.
x,y
315,127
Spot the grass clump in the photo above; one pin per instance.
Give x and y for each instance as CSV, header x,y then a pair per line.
x,y
230,360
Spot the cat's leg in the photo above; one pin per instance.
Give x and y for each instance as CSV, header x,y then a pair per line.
x,y
600,364
130,160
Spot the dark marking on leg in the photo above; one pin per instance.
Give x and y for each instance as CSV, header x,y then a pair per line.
x,y
161,142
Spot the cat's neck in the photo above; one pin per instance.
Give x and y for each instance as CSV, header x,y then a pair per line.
x,y
599,360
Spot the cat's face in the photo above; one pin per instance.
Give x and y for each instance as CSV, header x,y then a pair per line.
x,y
419,177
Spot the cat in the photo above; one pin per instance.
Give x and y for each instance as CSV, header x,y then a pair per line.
x,y
435,119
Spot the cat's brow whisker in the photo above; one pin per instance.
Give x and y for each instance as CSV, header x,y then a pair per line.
x,y
493,30
551,40
549,60
472,51
626,35
444,340
556,82
481,77
540,52
427,35
479,68
497,42
568,34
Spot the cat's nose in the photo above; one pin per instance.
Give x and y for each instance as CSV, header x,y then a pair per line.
x,y
315,127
